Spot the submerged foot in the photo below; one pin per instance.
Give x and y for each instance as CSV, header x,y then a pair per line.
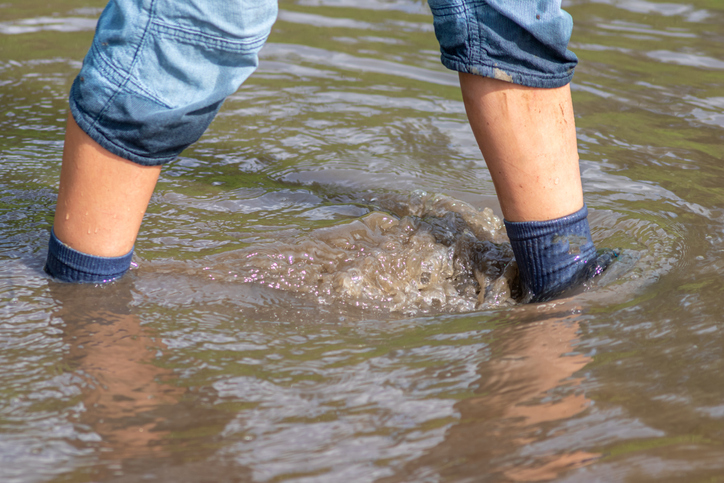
x,y
604,258
555,256
593,268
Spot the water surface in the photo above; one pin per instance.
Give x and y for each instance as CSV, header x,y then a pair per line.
x,y
319,293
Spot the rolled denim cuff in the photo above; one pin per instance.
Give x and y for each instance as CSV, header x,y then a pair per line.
x,y
553,255
68,265
158,72
524,42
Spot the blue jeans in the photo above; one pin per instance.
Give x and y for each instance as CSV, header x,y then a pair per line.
x,y
158,70
519,41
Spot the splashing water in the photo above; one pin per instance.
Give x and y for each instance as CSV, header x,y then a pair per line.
x,y
410,254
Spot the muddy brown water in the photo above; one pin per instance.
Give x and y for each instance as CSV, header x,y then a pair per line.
x,y
321,286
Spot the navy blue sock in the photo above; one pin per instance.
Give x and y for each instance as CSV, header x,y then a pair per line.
x,y
68,265
554,255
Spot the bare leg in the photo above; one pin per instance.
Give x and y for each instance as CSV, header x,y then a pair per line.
x,y
528,139
102,197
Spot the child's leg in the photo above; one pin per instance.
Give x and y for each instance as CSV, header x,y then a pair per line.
x,y
514,73
102,197
528,139
153,80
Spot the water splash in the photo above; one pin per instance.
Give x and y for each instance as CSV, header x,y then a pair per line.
x,y
411,254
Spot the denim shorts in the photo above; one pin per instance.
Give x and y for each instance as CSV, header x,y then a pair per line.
x,y
158,70
519,41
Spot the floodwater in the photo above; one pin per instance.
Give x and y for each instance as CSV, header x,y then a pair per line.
x,y
321,292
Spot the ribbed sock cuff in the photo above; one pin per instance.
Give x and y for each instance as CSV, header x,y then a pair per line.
x,y
68,265
552,255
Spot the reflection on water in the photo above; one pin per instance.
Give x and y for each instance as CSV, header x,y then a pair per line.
x,y
322,292
133,412
111,354
524,388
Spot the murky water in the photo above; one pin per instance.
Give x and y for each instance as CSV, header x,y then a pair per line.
x,y
321,292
